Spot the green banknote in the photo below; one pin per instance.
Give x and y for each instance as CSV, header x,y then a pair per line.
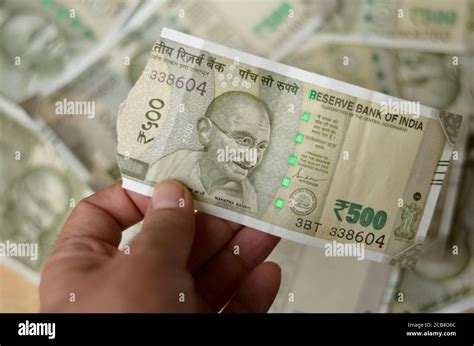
x,y
83,111
446,26
42,40
268,28
286,151
437,80
39,189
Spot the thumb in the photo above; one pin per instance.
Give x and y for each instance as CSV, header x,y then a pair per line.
x,y
167,234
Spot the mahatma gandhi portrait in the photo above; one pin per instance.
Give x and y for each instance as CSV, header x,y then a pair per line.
x,y
428,78
233,120
33,208
39,47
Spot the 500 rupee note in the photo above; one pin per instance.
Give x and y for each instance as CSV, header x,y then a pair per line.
x,y
39,189
83,112
436,80
269,28
41,41
437,26
286,151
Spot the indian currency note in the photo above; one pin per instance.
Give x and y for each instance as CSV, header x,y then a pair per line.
x,y
437,80
42,40
269,28
286,151
83,112
443,279
439,26
39,189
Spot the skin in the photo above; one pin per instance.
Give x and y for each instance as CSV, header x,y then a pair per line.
x,y
176,251
238,123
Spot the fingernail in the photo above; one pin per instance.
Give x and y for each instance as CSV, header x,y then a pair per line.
x,y
168,194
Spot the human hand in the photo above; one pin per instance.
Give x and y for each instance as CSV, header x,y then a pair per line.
x,y
179,262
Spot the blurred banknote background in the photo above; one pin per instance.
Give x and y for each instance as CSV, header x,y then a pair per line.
x,y
92,52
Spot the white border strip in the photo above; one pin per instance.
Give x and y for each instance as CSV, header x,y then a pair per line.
x,y
137,187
